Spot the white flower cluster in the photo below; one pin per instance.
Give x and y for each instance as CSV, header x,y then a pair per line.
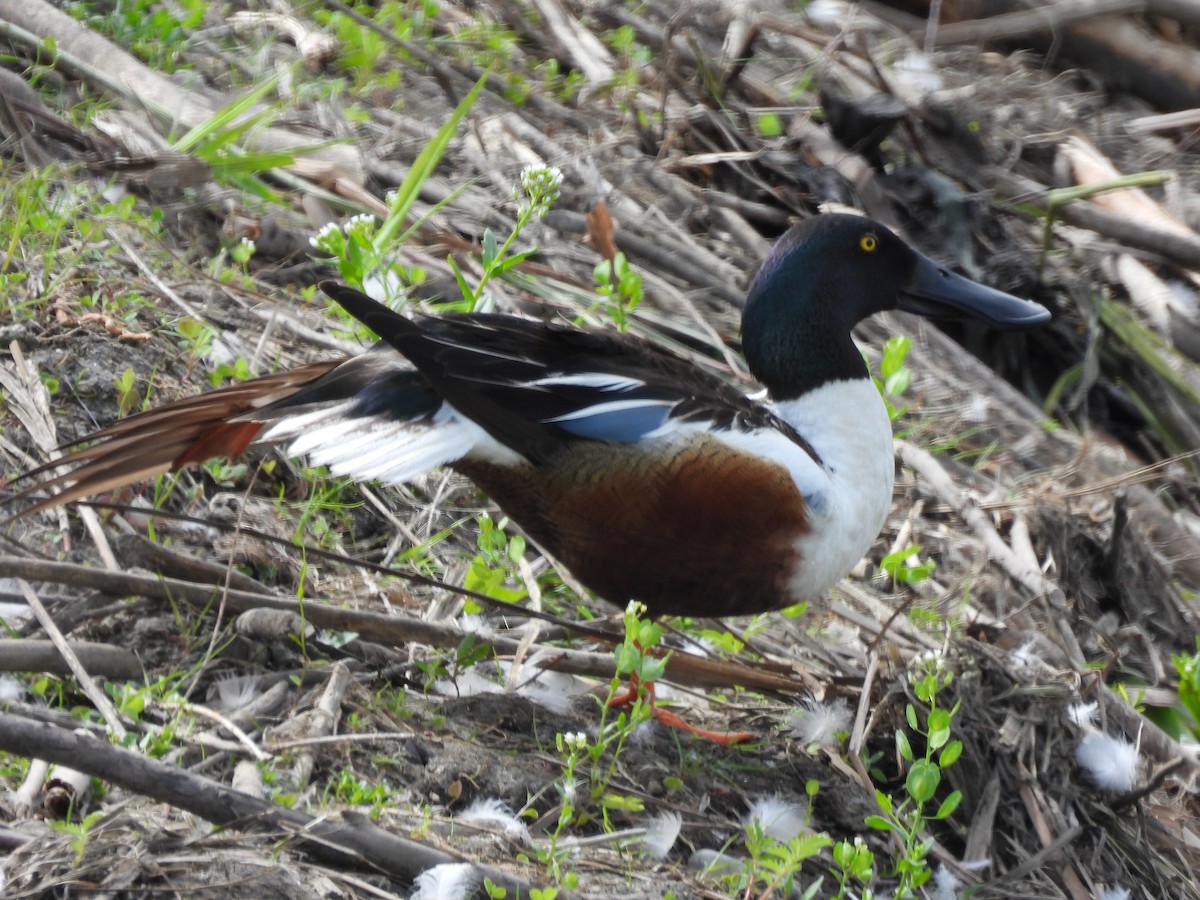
x,y
575,740
362,225
329,238
539,188
928,661
324,237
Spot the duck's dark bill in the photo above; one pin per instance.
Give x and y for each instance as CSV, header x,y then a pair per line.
x,y
937,292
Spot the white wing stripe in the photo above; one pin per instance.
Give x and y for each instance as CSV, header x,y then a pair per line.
x,y
601,381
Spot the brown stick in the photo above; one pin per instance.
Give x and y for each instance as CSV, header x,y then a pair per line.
x,y
1045,20
103,660
682,668
86,683
1178,248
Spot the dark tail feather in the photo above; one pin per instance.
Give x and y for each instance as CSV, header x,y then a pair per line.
x,y
384,322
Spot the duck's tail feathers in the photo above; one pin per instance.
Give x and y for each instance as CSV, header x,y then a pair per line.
x,y
166,438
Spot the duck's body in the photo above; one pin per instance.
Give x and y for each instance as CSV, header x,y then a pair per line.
x,y
649,478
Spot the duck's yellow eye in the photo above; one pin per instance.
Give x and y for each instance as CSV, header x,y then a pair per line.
x,y
868,243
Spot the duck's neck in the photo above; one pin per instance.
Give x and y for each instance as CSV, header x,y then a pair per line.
x,y
793,348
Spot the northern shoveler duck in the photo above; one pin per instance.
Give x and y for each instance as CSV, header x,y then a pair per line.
x,y
648,477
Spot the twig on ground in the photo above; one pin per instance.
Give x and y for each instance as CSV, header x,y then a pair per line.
x,y
86,683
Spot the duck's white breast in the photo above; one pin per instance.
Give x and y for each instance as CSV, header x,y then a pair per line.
x,y
847,425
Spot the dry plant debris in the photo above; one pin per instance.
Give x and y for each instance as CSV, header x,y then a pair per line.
x,y
1051,477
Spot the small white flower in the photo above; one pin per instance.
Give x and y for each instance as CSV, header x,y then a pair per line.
x,y
361,226
491,812
1110,762
928,661
661,833
324,235
819,723
449,881
575,740
1116,892
779,818
540,179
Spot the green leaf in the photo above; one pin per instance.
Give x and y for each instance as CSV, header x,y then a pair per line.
x,y
809,845
514,260
949,805
939,728
923,780
903,747
1188,667
884,801
623,803
951,754
897,383
910,713
879,823
516,547
465,289
770,125
895,352
490,248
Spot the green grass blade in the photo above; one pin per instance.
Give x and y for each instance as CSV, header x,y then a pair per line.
x,y
224,119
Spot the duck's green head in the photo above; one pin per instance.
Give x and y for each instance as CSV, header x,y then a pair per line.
x,y
828,273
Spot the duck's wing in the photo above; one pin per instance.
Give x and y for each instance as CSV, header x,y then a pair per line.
x,y
535,387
